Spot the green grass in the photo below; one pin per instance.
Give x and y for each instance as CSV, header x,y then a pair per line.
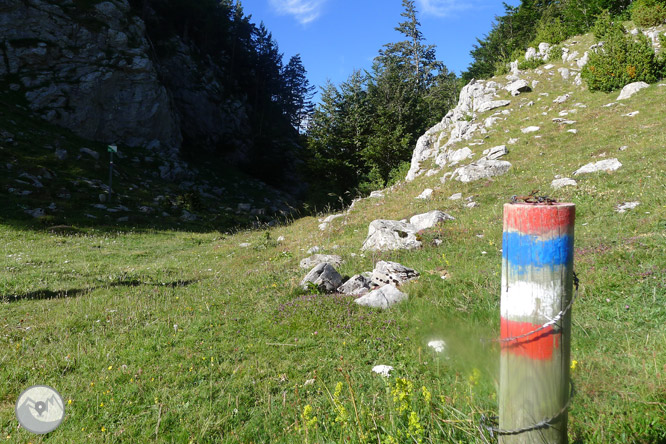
x,y
168,334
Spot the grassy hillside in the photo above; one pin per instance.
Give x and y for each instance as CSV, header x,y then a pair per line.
x,y
184,335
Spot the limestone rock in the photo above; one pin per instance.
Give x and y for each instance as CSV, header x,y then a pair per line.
x,y
323,276
357,285
517,87
631,89
458,155
622,208
309,262
383,297
530,129
564,72
602,165
426,194
61,154
487,106
386,235
89,152
387,272
561,99
563,182
429,219
482,169
495,152
456,196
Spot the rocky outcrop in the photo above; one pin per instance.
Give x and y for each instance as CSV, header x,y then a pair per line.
x,y
383,297
87,69
386,235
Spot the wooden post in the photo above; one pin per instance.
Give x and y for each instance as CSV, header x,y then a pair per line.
x,y
537,285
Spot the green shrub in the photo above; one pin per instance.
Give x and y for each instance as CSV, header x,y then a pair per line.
x,y
648,12
550,30
555,53
604,24
529,64
621,60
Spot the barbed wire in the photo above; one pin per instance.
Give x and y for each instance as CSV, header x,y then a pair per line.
x,y
558,317
546,423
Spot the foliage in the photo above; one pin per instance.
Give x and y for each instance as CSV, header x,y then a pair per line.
x,y
620,61
648,12
365,129
532,63
530,23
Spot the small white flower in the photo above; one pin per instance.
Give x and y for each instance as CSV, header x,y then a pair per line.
x,y
383,370
438,345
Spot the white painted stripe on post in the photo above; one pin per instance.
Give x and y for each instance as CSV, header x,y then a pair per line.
x,y
528,299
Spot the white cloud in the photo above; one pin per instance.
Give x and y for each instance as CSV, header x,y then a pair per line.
x,y
305,11
444,8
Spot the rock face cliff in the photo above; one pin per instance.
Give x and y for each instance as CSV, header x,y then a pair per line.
x,y
86,67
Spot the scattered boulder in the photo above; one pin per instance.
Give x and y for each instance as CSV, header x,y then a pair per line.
x,y
313,250
530,129
631,114
332,259
563,182
326,221
426,194
562,99
564,72
455,196
602,165
91,153
61,154
622,208
482,169
429,219
357,285
495,152
377,194
631,89
491,104
387,272
383,297
323,276
391,235
517,87
36,213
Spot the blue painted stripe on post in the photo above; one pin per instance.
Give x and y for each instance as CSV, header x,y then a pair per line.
x,y
522,250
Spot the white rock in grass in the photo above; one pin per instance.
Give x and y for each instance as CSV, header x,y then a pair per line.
x,y
627,206
456,196
631,114
429,219
383,370
495,152
481,170
383,297
387,272
631,89
530,129
244,245
438,345
357,285
602,165
426,194
563,182
386,235
323,275
561,99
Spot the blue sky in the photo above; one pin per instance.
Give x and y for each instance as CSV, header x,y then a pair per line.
x,y
334,37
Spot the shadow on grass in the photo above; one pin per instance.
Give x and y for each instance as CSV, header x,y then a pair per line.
x,y
46,294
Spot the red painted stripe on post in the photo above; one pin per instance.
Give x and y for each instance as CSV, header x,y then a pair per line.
x,y
539,220
539,346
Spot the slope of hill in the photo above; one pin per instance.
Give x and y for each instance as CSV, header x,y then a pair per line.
x,y
174,336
